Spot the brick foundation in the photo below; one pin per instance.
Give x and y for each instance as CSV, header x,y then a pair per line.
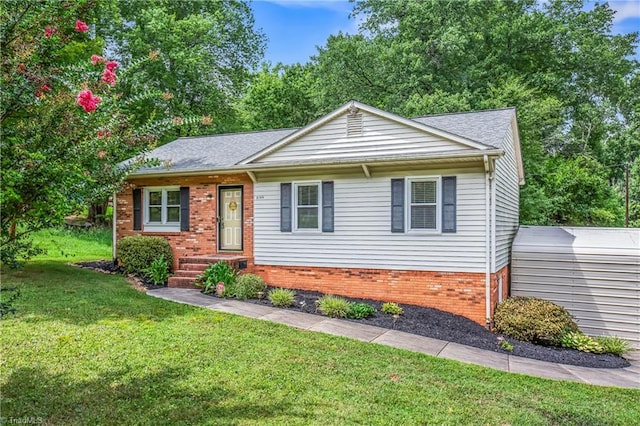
x,y
456,292
495,299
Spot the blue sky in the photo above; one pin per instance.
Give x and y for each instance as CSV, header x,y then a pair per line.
x,y
295,27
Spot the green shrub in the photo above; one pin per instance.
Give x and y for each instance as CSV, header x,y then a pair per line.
x,y
391,308
282,297
533,320
158,272
219,272
360,310
7,300
613,345
137,253
333,306
581,342
505,345
249,285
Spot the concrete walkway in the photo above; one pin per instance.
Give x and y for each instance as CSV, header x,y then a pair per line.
x,y
624,377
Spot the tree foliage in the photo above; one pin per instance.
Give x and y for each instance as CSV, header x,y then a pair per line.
x,y
65,123
278,97
208,47
574,83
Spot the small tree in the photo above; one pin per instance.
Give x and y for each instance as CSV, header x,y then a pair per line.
x,y
65,126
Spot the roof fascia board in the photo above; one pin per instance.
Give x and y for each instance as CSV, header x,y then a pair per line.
x,y
297,134
516,147
422,127
245,168
372,110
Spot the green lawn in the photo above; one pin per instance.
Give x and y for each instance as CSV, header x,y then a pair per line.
x,y
74,245
86,348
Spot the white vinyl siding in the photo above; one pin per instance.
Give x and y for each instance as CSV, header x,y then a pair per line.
x,y
507,202
379,138
162,209
362,236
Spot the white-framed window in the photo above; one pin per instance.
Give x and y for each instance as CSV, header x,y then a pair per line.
x,y
307,201
162,208
423,203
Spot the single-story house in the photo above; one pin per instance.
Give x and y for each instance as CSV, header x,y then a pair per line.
x,y
359,203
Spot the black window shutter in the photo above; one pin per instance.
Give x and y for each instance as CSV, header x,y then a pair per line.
x,y
184,208
397,205
449,204
327,206
137,209
285,207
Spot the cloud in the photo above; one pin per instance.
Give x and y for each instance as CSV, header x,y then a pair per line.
x,y
625,10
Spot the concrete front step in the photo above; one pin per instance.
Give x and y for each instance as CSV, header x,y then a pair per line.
x,y
187,273
181,282
198,267
189,267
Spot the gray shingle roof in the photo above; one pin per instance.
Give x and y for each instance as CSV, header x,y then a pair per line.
x,y
212,152
217,152
487,127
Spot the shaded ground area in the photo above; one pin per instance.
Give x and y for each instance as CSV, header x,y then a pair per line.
x,y
437,324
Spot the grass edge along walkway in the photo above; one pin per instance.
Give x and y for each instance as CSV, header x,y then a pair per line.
x,y
620,377
86,348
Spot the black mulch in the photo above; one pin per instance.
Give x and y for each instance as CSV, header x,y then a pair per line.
x,y
455,328
111,268
434,323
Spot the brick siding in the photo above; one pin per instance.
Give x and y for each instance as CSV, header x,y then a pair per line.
x,y
461,293
201,239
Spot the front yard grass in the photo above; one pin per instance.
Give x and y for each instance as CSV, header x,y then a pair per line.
x,y
86,348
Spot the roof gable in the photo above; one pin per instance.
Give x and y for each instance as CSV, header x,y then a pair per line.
x,y
376,136
338,136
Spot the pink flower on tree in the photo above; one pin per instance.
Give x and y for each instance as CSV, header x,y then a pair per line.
x,y
111,65
109,77
48,32
88,102
81,26
45,88
95,60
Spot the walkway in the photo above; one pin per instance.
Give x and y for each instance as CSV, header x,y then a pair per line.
x,y
624,377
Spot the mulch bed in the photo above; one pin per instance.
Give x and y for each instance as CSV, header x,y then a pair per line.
x,y
433,323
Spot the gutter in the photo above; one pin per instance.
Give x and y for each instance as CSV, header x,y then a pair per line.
x,y
328,163
489,191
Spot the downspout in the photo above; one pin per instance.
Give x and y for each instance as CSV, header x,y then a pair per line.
x,y
113,224
492,208
488,238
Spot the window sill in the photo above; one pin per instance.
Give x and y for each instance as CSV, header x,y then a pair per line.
x,y
424,231
161,233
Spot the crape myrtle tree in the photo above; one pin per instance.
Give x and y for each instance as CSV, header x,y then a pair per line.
x,y
65,124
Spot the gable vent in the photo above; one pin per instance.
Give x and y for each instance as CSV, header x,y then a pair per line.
x,y
354,123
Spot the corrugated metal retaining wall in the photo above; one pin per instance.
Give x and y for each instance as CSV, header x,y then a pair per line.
x,y
593,272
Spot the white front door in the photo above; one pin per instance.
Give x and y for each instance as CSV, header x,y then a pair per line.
x,y
231,219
